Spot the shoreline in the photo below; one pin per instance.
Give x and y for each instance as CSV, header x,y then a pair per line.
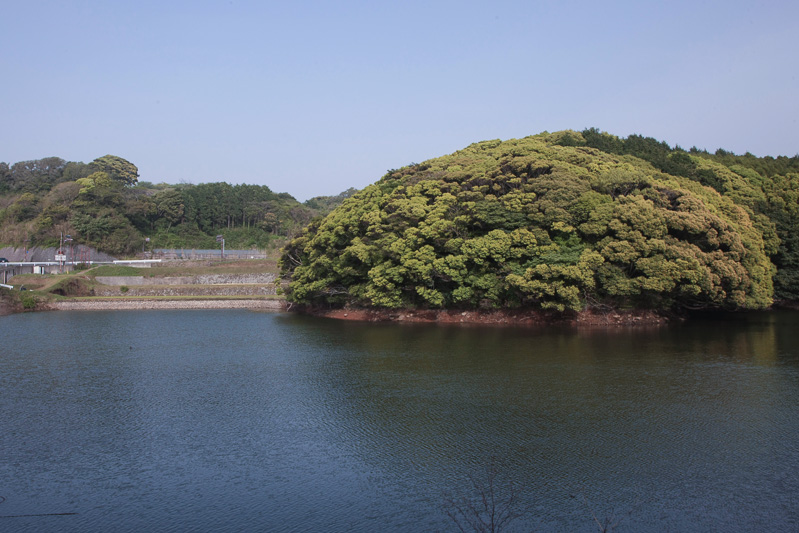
x,y
500,317
504,317
136,304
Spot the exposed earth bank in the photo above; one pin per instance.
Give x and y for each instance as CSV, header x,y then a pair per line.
x,y
6,309
509,317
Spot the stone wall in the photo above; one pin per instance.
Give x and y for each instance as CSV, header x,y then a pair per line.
x,y
132,281
98,305
203,279
186,290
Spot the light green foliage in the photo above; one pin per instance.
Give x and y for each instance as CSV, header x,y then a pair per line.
x,y
94,183
756,184
117,169
23,208
542,222
558,286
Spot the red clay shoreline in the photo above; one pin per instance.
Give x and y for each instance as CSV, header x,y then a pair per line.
x,y
504,317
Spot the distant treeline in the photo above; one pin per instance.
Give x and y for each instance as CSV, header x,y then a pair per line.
x,y
102,204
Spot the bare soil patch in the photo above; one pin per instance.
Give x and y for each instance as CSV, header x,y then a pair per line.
x,y
76,286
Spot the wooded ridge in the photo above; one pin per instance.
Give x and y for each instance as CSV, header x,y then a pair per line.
x,y
561,221
102,204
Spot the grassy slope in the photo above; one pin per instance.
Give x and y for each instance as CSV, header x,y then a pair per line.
x,y
189,268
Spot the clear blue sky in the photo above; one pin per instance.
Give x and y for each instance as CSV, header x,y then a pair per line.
x,y
311,98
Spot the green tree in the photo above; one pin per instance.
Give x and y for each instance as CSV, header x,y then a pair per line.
x,y
117,169
169,206
36,176
540,222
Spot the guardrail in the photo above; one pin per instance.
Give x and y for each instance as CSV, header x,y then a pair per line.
x,y
12,268
58,263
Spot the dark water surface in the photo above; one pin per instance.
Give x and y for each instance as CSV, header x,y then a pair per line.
x,y
243,421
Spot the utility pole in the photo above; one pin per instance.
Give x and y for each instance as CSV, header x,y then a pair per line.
x,y
68,238
60,256
220,238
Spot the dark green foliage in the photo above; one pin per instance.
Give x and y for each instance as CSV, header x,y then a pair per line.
x,y
766,187
28,301
550,222
5,178
782,207
252,212
103,205
328,203
33,176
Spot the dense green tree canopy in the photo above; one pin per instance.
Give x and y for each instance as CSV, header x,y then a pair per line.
x,y
765,186
545,222
117,169
102,204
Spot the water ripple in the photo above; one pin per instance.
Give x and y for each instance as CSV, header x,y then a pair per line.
x,y
212,420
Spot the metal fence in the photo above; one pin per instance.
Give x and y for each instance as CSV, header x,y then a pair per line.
x,y
193,254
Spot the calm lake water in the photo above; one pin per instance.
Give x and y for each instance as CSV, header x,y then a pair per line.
x,y
244,421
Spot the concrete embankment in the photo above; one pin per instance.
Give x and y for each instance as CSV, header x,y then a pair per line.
x,y
203,279
186,290
76,252
225,285
97,305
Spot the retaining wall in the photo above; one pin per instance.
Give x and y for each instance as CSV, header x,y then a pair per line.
x,y
76,305
187,290
202,279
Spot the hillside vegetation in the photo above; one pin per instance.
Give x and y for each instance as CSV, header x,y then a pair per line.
x,y
559,221
103,204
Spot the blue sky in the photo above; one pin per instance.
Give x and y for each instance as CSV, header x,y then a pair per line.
x,y
311,98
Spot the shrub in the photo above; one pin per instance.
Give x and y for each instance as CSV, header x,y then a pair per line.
x,y
28,302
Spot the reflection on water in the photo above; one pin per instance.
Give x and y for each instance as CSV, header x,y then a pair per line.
x,y
207,420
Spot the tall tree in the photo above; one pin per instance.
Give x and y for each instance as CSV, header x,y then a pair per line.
x,y
118,169
169,204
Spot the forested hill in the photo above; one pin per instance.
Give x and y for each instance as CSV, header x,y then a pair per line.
x,y
560,221
104,205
